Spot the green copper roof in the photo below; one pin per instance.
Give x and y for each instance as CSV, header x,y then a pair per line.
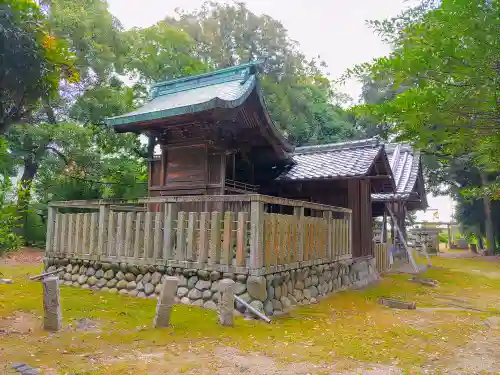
x,y
225,88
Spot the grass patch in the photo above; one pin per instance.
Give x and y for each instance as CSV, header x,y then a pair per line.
x,y
348,328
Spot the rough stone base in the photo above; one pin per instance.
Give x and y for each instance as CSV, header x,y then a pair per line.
x,y
273,294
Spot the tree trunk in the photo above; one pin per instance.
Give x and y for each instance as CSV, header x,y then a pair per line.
x,y
24,194
490,235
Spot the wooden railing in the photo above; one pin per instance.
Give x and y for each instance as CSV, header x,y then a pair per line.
x,y
241,186
382,257
232,233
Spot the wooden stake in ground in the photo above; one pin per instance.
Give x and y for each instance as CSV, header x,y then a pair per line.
x,y
52,319
226,303
165,302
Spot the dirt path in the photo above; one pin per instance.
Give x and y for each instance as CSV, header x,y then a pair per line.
x,y
27,256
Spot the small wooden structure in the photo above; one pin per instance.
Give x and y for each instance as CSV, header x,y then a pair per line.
x,y
216,138
232,233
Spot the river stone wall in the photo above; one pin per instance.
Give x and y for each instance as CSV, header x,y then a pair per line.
x,y
273,294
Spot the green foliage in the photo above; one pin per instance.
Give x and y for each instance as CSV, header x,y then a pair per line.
x,y
447,60
33,60
9,218
298,95
92,32
161,52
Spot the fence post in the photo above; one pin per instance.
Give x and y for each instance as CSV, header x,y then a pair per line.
x,y
350,234
299,212
51,223
103,228
256,234
327,215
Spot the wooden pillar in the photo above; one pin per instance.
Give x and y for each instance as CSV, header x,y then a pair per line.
x,y
353,200
102,235
449,235
366,217
256,234
383,234
51,222
299,212
163,167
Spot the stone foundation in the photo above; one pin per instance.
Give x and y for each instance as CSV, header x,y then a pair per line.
x,y
273,294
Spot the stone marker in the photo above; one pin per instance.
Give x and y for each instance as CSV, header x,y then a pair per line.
x,y
165,302
226,302
52,320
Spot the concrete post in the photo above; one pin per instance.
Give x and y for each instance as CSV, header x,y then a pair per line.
x,y
52,319
165,302
226,303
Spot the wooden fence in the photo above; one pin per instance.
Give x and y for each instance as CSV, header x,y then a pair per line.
x,y
239,233
382,257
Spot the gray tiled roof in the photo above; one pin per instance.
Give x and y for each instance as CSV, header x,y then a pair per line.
x,y
405,164
347,159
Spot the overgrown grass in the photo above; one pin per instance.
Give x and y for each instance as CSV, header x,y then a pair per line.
x,y
347,329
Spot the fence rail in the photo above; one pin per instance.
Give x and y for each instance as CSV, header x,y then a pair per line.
x,y
244,234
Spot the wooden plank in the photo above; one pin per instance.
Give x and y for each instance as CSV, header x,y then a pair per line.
x,y
227,243
169,230
138,236
204,231
71,234
158,235
191,236
148,235
85,244
299,213
78,234
111,234
267,240
256,234
64,234
57,233
120,234
215,242
102,235
241,240
51,231
94,232
278,240
181,236
129,234
337,240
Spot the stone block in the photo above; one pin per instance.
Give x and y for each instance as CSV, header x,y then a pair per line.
x,y
165,302
225,307
52,320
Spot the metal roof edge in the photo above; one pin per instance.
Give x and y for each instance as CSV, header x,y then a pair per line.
x,y
203,79
210,104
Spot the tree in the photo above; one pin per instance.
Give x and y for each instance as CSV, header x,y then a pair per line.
x,y
33,61
446,57
161,52
449,61
299,96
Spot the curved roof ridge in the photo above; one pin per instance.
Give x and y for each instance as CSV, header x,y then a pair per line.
x,y
362,143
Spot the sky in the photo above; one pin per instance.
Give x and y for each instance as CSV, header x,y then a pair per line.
x,y
336,30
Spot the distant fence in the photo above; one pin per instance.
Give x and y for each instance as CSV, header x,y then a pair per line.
x,y
239,233
382,257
